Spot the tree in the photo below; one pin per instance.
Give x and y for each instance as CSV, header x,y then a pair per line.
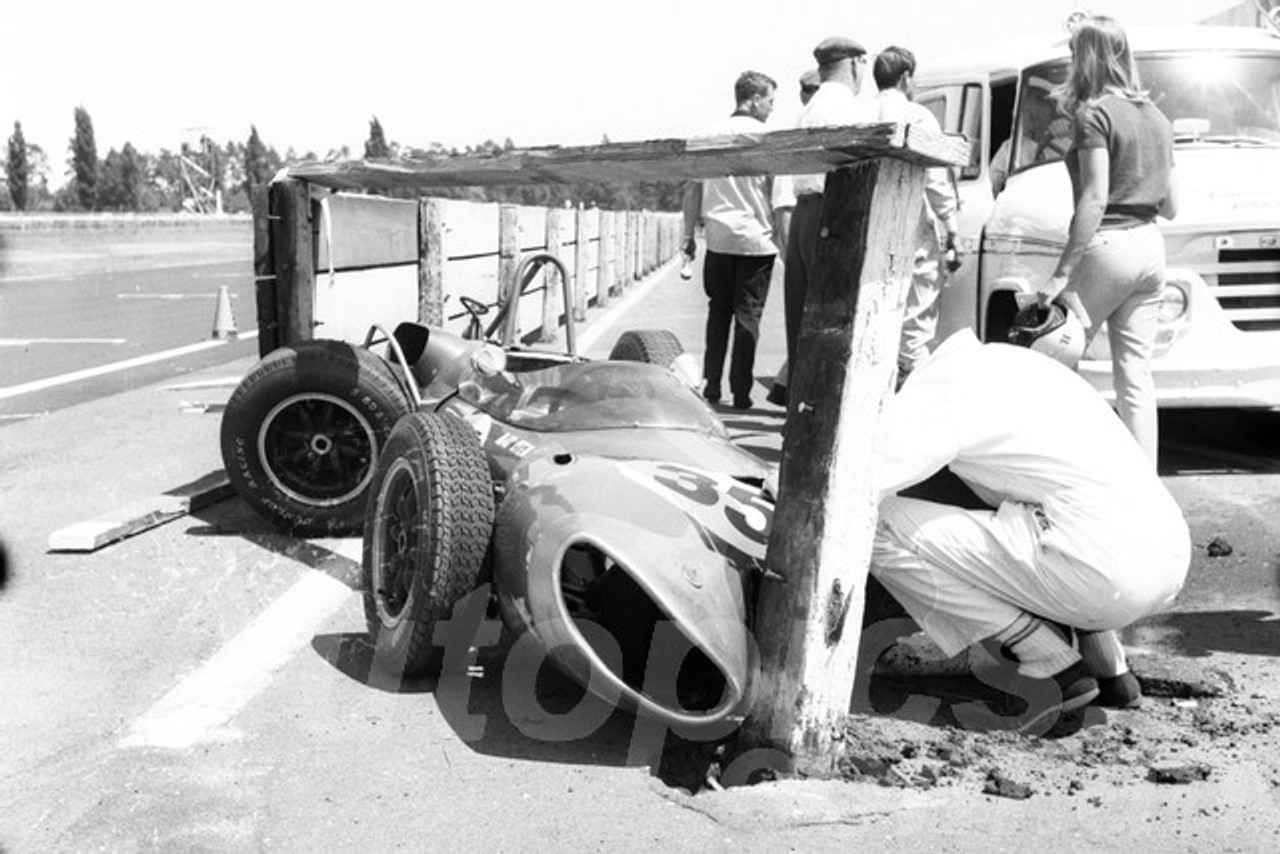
x,y
84,162
19,168
120,180
376,145
257,171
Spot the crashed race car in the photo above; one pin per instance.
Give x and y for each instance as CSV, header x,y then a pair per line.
x,y
602,500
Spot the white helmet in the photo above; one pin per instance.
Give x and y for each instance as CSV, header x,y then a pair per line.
x,y
1053,330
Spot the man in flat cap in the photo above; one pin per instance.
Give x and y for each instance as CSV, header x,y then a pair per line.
x,y
841,64
809,83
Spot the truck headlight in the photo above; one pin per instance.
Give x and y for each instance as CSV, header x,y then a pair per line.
x,y
1174,300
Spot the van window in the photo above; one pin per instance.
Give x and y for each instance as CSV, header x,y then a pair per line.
x,y
1042,132
1215,97
1209,97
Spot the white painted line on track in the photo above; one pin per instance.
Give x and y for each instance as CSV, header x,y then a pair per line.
x,y
113,367
617,306
199,708
28,342
166,296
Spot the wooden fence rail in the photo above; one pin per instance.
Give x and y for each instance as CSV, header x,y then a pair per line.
x,y
329,265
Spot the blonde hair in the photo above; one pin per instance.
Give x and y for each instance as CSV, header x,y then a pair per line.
x,y
1100,59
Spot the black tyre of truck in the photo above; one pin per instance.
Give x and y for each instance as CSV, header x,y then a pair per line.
x,y
427,530
303,430
655,346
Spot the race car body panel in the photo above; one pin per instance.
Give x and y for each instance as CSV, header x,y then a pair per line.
x,y
635,577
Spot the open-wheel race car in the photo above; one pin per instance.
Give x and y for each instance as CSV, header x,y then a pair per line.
x,y
603,500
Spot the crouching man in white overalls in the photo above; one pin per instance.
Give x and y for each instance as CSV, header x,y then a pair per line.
x,y
1083,533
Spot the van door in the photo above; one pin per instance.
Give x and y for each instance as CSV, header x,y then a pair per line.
x,y
963,105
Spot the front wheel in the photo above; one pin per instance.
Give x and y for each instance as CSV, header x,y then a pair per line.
x,y
426,533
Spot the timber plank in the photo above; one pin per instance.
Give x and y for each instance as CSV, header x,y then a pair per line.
x,y
771,153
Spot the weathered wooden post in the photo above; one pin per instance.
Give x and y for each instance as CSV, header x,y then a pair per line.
x,y
604,256
431,261
581,259
809,611
508,252
552,290
293,260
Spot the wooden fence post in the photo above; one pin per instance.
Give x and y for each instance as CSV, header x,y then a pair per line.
x,y
604,252
629,273
264,272
581,258
508,252
809,611
553,289
431,262
293,251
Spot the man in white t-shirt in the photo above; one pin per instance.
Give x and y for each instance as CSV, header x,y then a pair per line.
x,y
1082,533
737,214
936,252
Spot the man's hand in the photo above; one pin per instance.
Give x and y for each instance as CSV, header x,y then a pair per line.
x,y
1049,291
691,248
954,257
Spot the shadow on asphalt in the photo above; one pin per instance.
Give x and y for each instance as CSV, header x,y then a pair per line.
x,y
1201,633
491,712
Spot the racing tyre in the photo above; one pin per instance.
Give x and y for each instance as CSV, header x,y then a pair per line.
x,y
655,346
302,432
426,533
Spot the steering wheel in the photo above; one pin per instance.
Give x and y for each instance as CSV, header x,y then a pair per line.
x,y
477,309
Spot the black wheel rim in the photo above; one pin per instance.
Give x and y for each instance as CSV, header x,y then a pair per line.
x,y
317,449
398,545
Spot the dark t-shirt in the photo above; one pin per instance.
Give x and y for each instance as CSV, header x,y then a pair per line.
x,y
1139,141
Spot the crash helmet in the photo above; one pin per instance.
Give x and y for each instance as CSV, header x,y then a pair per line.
x,y
1050,329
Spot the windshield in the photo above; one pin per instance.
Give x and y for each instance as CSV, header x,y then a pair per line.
x,y
1211,98
592,396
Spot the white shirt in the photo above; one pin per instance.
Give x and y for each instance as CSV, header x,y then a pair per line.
x,y
737,211
1016,425
834,104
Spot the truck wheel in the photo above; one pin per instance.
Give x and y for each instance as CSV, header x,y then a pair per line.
x,y
302,431
426,533
655,346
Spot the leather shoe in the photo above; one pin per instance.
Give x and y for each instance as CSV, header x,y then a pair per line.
x,y
1119,692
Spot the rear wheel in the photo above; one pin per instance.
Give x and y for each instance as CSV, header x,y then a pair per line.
x,y
426,533
302,432
655,346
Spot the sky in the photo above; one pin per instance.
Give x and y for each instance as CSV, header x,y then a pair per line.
x,y
310,74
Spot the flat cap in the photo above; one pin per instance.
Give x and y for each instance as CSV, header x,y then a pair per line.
x,y
837,47
810,79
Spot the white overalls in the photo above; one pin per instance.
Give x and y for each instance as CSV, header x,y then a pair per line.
x,y
1083,531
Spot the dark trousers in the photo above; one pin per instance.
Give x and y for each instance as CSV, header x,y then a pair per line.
x,y
737,286
802,241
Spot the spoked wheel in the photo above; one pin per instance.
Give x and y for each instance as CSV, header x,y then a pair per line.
x,y
303,430
427,530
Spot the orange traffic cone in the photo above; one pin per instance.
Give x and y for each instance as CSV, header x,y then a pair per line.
x,y
224,322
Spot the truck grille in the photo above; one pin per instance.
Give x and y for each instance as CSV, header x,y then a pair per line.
x,y
1248,287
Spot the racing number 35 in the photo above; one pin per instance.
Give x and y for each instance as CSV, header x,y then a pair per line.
x,y
747,510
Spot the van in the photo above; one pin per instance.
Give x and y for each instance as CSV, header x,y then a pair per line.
x,y
1219,335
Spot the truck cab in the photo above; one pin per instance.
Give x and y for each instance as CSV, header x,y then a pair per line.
x,y
1219,337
